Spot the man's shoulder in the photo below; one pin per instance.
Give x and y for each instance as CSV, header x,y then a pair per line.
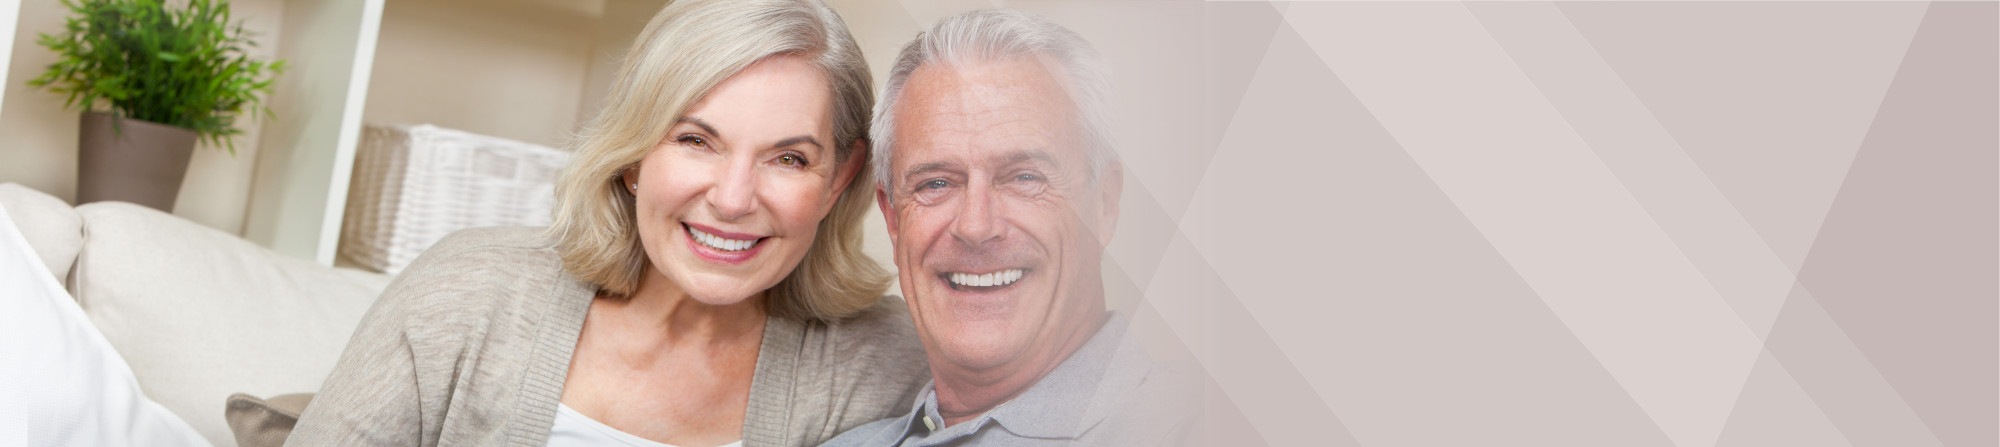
x,y
1155,398
1170,391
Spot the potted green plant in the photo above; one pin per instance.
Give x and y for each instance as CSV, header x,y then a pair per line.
x,y
151,79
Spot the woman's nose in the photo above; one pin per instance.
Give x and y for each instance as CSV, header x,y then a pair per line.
x,y
735,191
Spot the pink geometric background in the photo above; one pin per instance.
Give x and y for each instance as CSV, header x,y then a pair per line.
x,y
1534,223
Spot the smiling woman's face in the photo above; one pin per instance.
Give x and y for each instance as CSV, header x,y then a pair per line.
x,y
731,199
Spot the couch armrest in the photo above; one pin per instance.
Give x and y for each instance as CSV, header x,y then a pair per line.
x,y
201,314
51,226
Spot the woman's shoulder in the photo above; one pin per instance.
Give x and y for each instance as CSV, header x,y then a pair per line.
x,y
490,254
886,321
476,273
874,365
469,321
881,334
489,241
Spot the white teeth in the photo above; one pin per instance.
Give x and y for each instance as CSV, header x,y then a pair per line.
x,y
1000,278
720,243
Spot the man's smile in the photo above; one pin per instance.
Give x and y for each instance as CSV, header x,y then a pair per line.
x,y
983,282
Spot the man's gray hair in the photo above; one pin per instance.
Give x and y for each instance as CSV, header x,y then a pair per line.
x,y
994,34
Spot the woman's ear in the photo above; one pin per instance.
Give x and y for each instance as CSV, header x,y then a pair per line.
x,y
629,179
857,156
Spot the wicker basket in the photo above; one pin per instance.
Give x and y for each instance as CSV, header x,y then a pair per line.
x,y
412,185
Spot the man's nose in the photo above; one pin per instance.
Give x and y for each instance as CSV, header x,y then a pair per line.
x,y
977,222
735,191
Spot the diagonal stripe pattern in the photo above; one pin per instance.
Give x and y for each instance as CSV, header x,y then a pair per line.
x,y
1556,223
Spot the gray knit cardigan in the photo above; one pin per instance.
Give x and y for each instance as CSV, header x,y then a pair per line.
x,y
471,343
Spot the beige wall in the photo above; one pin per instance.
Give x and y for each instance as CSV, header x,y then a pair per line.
x,y
622,22
513,69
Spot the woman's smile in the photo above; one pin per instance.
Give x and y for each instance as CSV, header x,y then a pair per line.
x,y
722,247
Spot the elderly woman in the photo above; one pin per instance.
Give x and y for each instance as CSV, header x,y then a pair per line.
x,y
702,284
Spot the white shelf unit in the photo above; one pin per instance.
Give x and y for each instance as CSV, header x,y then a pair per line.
x,y
305,157
527,70
285,187
291,176
10,15
522,70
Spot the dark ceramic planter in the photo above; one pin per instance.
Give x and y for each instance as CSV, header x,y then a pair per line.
x,y
139,161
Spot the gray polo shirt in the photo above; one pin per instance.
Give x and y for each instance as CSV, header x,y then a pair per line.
x,y
1109,392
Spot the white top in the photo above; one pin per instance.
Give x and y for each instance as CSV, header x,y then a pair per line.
x,y
573,429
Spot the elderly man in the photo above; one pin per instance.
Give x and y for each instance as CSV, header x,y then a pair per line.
x,y
1000,190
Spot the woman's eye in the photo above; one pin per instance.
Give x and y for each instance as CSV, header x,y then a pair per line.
x,y
695,141
791,160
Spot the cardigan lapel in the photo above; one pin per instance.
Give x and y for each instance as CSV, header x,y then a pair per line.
x,y
769,413
548,364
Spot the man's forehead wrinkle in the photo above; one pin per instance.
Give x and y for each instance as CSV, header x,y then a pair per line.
x,y
1025,154
976,100
985,116
1028,77
961,122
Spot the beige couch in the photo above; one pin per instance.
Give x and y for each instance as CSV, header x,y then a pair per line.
x,y
198,314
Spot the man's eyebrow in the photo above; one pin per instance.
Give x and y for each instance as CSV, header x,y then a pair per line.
x,y
697,122
1008,158
924,168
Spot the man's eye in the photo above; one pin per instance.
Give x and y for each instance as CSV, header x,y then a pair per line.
x,y
1027,177
791,160
934,184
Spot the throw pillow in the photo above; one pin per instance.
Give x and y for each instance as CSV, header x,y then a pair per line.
x,y
264,422
61,383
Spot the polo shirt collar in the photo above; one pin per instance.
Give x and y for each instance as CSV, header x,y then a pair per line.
x,y
1080,392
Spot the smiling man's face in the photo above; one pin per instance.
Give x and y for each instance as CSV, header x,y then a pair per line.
x,y
997,227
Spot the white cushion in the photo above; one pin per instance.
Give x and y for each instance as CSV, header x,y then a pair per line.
x,y
48,223
201,314
61,383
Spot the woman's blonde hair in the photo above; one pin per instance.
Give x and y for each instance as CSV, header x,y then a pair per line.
x,y
688,48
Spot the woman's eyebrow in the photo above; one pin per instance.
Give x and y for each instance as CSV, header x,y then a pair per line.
x,y
697,122
800,139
